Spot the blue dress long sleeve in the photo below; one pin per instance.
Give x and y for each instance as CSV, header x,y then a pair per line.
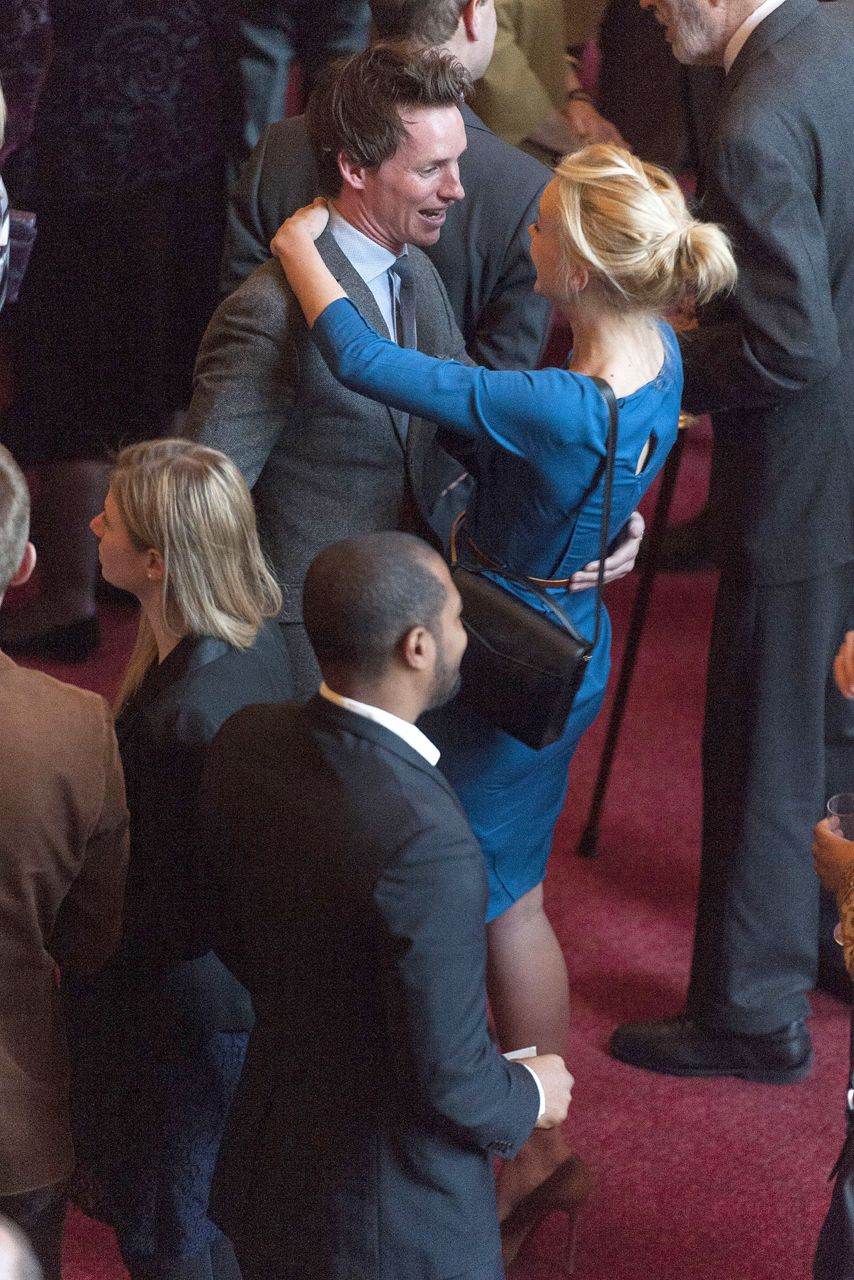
x,y
535,443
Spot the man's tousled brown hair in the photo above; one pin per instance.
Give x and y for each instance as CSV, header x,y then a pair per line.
x,y
356,104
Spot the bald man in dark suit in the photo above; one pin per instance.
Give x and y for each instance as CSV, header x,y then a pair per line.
x,y
352,896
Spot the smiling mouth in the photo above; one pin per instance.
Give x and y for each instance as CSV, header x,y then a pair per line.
x,y
433,215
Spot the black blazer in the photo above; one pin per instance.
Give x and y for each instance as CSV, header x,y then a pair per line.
x,y
482,254
359,1143
164,986
164,731
775,363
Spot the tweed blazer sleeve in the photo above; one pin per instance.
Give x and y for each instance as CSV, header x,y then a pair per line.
x,y
247,372
89,921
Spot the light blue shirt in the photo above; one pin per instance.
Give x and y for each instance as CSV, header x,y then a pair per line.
x,y
371,261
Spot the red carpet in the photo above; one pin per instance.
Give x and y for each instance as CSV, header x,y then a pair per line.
x,y
713,1180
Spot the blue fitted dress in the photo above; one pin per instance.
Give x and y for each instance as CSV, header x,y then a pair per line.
x,y
535,444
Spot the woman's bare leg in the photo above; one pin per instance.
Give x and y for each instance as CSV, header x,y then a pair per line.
x,y
529,998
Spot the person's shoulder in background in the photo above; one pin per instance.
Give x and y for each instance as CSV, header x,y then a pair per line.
x,y
277,178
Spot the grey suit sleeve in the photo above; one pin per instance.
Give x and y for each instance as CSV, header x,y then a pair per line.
x,y
246,374
778,334
432,902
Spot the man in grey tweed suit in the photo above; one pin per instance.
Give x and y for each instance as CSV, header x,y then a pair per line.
x,y
482,254
324,463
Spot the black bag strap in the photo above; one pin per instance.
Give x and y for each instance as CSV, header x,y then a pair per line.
x,y
610,399
611,451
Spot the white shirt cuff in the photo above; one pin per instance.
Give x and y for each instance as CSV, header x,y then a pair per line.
x,y
539,1087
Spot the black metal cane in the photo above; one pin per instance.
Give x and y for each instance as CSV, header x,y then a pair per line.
x,y
587,845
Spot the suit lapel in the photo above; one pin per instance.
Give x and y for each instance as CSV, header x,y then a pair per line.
x,y
189,654
770,30
359,294
351,282
324,713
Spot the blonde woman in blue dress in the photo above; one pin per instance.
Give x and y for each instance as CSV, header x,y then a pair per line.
x,y
615,248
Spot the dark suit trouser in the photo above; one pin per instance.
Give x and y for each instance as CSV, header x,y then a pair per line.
x,y
41,1216
777,740
834,1257
273,33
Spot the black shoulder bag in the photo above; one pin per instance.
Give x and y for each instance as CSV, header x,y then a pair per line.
x,y
521,669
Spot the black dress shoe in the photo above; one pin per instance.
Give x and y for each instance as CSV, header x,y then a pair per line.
x,y
682,1047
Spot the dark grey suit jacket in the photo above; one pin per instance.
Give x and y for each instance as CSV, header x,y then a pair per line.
x,y
323,463
775,363
353,896
482,254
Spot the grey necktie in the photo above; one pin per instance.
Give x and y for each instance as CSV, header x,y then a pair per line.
x,y
404,302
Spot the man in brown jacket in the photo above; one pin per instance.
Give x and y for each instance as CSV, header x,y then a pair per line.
x,y
63,860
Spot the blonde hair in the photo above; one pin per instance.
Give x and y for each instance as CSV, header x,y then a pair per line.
x,y
192,505
627,222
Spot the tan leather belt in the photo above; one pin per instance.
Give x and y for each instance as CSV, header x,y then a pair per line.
x,y
493,565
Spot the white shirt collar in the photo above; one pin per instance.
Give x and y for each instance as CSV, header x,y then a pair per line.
x,y
739,38
411,735
366,257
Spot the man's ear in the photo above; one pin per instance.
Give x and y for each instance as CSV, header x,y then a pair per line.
x,y
416,648
25,571
471,18
353,175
